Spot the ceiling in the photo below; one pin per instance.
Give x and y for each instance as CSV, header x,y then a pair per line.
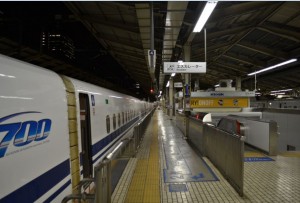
x,y
113,38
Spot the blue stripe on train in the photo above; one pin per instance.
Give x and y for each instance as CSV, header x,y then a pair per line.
x,y
110,138
39,186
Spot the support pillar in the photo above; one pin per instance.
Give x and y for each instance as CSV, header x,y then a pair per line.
x,y
167,101
187,90
238,84
171,98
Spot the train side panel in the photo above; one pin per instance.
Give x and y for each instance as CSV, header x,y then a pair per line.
x,y
111,116
34,153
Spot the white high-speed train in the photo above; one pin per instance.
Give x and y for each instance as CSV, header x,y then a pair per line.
x,y
54,129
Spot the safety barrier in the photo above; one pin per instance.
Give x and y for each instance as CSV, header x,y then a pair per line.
x,y
196,135
180,122
102,171
226,152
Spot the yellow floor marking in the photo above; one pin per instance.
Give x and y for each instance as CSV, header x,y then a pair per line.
x,y
254,154
144,187
290,154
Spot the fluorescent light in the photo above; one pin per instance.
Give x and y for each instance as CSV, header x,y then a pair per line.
x,y
272,67
208,9
285,90
217,85
12,97
173,74
168,84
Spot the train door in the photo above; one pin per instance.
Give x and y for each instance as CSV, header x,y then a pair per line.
x,y
86,140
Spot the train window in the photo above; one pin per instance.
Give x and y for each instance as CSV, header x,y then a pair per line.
x,y
107,124
119,119
114,121
126,117
123,119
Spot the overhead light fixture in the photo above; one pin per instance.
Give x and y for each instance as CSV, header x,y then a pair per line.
x,y
285,90
208,9
168,84
278,93
173,74
272,67
217,85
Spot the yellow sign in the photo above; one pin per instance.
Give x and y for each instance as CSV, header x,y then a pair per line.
x,y
218,102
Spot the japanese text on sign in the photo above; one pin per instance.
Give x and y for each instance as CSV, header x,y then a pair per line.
x,y
185,67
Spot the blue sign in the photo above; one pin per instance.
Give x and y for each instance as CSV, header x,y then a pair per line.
x,y
256,159
151,52
177,188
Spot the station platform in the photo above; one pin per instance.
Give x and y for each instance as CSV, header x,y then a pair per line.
x,y
167,169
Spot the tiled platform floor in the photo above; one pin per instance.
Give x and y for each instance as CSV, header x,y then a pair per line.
x,y
270,181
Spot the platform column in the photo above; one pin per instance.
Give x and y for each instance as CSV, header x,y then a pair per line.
x,y
167,101
171,98
238,84
187,89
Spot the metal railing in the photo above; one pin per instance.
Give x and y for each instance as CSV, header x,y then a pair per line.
x,y
102,171
103,181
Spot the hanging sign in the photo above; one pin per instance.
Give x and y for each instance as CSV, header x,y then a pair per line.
x,y
178,84
184,67
152,58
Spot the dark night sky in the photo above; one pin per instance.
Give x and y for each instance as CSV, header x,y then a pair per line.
x,y
23,23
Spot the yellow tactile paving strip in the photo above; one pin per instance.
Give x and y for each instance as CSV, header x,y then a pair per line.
x,y
144,187
290,154
254,154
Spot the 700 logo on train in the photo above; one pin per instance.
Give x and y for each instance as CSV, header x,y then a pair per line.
x,y
22,133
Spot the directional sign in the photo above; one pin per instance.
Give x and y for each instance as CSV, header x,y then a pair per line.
x,y
152,58
178,84
151,52
184,67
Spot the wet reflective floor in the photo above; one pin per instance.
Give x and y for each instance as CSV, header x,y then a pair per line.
x,y
183,176
182,164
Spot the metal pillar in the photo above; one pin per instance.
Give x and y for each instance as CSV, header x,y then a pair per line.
x,y
187,90
167,101
171,98
197,86
152,65
238,83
